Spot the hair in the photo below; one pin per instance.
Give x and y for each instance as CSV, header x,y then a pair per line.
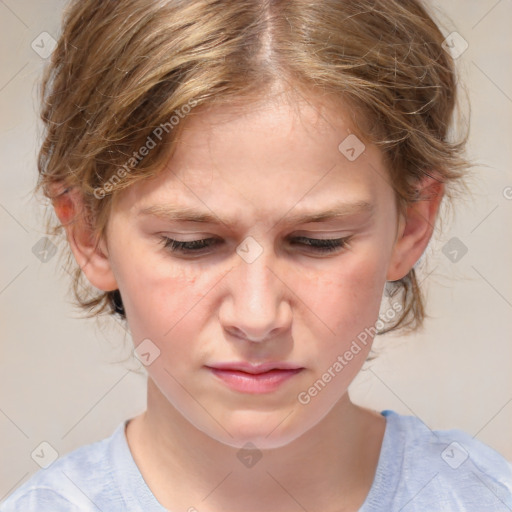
x,y
121,71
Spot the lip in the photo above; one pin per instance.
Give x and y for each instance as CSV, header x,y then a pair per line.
x,y
254,368
254,379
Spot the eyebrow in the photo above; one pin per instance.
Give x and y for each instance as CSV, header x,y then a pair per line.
x,y
171,212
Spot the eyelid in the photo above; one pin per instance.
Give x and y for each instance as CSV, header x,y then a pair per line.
x,y
312,245
311,233
184,237
320,235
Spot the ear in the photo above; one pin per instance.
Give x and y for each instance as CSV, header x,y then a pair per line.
x,y
415,228
91,254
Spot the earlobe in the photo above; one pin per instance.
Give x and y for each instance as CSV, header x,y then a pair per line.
x,y
91,254
416,229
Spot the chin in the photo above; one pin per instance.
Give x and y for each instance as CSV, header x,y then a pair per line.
x,y
265,431
260,440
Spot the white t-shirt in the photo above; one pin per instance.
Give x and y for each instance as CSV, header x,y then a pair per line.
x,y
418,470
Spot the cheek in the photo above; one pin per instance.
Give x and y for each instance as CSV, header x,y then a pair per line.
x,y
160,297
347,297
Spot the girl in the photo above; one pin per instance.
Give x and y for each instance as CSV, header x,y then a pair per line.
x,y
240,182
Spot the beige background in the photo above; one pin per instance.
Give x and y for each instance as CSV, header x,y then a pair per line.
x,y
60,379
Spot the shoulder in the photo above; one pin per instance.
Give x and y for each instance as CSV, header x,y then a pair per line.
x,y
78,481
450,451
420,467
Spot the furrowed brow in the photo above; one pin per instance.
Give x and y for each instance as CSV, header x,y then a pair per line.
x,y
184,214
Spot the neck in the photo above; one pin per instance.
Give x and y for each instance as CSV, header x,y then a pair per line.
x,y
330,467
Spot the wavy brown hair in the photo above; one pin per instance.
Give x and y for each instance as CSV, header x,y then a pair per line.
x,y
122,69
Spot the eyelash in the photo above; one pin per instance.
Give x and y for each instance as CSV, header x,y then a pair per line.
x,y
320,245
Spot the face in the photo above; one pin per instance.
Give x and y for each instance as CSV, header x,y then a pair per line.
x,y
252,305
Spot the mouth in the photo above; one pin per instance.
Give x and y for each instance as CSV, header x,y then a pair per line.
x,y
253,379
254,369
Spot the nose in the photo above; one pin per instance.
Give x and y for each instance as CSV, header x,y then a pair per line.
x,y
257,305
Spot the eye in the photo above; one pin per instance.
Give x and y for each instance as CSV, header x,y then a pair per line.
x,y
184,247
320,245
324,245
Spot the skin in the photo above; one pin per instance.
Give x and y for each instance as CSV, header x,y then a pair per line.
x,y
291,304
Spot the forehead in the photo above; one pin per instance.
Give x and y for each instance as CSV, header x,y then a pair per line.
x,y
278,124
273,157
